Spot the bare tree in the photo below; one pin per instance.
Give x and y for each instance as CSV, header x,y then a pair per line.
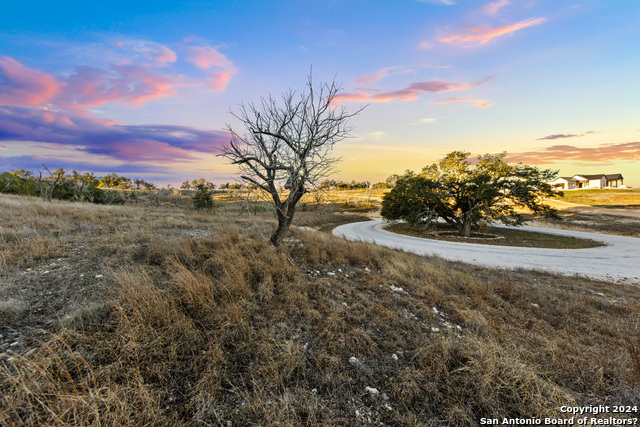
x,y
47,185
288,144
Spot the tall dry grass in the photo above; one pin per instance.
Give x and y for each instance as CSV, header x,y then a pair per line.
x,y
209,325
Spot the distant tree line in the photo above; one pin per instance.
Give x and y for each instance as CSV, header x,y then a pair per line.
x,y
109,189
63,185
355,185
339,185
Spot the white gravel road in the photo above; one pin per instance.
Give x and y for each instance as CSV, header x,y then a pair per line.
x,y
619,261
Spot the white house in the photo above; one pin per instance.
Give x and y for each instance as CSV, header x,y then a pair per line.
x,y
614,180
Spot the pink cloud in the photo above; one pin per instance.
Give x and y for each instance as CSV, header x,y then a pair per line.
x,y
605,154
21,85
494,7
375,76
158,143
218,81
206,57
410,93
481,103
482,34
91,87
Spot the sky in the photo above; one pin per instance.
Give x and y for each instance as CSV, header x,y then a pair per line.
x,y
145,89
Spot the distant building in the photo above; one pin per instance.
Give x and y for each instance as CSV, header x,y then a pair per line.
x,y
576,182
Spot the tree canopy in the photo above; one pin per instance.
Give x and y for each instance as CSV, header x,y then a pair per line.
x,y
464,194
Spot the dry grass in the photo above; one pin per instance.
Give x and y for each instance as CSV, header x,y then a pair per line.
x,y
198,321
624,198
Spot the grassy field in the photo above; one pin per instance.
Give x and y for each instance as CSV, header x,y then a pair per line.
x,y
133,315
622,199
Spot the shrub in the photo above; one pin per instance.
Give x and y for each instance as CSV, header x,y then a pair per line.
x,y
202,198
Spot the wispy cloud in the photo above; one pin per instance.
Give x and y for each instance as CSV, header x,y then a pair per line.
x,y
494,7
410,93
205,57
375,76
208,58
144,53
91,87
150,143
481,103
424,120
120,70
483,34
606,154
49,108
439,2
565,135
21,85
33,162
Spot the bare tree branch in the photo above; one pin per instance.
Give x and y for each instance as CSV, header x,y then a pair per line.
x,y
287,145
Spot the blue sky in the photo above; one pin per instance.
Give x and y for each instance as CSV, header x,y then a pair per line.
x,y
144,88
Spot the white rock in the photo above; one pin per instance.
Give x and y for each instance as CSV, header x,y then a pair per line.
x,y
435,329
435,310
99,276
331,273
366,269
535,305
314,391
372,391
396,288
354,361
45,272
394,357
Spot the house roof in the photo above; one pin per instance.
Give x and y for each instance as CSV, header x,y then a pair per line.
x,y
590,177
614,176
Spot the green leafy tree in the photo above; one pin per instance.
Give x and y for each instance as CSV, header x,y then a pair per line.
x,y
112,180
463,195
18,183
203,197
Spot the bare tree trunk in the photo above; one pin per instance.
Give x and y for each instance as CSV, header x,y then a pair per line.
x,y
284,214
284,222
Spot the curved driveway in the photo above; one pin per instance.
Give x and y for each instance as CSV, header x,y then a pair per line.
x,y
619,261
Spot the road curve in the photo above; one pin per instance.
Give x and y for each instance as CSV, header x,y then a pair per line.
x,y
619,261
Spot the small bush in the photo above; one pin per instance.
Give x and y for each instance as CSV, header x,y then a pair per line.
x,y
203,197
